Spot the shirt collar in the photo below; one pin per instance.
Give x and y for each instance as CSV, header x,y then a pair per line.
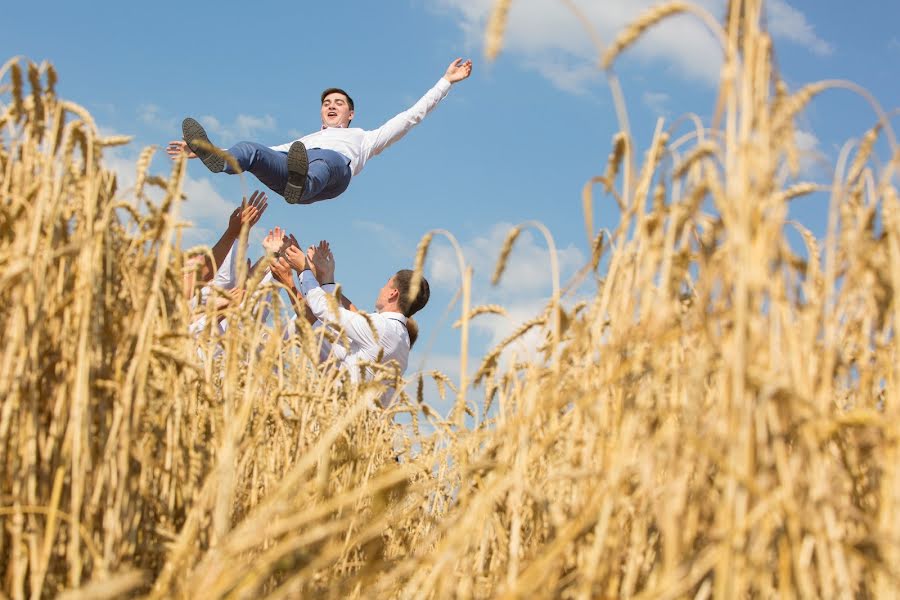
x,y
394,315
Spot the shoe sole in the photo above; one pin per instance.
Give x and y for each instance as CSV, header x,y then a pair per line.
x,y
193,133
298,167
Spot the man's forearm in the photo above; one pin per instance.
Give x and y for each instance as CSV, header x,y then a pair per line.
x,y
219,252
300,306
346,303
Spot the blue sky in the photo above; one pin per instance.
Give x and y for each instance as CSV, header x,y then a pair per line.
x,y
516,141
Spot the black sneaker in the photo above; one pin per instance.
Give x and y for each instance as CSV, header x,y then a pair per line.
x,y
298,167
193,133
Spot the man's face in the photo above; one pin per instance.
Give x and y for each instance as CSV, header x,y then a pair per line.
x,y
336,111
385,294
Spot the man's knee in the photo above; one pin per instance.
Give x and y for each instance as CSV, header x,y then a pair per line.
x,y
245,149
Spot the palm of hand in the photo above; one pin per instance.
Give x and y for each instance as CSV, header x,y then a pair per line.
x,y
322,260
458,70
274,241
281,270
295,258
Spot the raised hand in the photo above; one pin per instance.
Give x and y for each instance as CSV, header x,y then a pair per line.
x,y
249,213
274,241
281,271
322,261
178,147
296,258
458,70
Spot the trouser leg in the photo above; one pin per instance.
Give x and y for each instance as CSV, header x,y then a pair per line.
x,y
269,166
328,176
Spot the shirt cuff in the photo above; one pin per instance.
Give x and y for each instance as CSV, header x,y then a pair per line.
x,y
443,85
307,282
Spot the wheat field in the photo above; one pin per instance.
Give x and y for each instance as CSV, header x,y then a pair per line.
x,y
719,419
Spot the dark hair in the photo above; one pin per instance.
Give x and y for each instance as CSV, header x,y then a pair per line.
x,y
337,91
413,328
410,306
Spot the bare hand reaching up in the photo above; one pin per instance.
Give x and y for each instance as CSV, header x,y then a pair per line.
x,y
458,70
322,260
281,271
178,147
274,242
296,258
249,213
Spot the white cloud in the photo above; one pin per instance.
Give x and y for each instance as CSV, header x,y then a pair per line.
x,y
152,115
389,237
203,202
244,127
811,158
549,38
565,72
524,288
787,22
894,44
527,270
657,102
204,207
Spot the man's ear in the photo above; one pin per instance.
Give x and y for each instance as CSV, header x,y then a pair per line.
x,y
394,295
351,115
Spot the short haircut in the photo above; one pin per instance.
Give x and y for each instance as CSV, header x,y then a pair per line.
x,y
410,306
337,91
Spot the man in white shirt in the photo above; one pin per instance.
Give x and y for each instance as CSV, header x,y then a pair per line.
x,y
320,165
387,338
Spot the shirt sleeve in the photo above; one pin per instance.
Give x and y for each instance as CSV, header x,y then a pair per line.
x,y
354,325
376,140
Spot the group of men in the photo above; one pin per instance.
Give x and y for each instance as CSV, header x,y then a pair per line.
x,y
319,166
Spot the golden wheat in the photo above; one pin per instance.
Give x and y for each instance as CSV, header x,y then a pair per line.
x,y
717,418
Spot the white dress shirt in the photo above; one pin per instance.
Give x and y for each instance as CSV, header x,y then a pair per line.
x,y
359,145
226,279
393,337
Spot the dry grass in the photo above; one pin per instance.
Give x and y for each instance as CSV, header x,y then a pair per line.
x,y
719,420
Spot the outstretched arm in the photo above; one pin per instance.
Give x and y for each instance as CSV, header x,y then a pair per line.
x,y
250,214
377,140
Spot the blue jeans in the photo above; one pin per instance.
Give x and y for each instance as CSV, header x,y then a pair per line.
x,y
329,171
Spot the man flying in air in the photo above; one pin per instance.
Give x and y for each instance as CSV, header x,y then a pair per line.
x,y
320,165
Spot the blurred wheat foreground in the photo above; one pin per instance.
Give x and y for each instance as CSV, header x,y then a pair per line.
x,y
718,419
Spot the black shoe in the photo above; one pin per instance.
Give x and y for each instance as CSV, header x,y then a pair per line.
x,y
193,133
298,167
